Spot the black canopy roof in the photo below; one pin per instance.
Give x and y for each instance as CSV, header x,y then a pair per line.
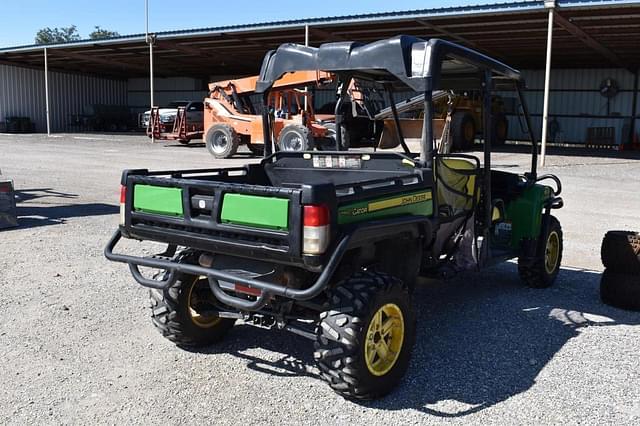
x,y
417,63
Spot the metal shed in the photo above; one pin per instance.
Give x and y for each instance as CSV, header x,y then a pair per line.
x,y
593,40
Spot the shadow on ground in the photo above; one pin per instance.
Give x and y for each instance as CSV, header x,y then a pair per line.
x,y
192,144
482,338
42,213
23,195
200,144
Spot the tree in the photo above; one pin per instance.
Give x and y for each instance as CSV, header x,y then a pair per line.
x,y
57,35
100,33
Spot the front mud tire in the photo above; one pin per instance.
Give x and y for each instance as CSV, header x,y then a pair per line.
x,y
364,310
543,271
178,313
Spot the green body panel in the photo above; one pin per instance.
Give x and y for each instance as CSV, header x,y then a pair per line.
x,y
525,214
256,211
158,199
413,203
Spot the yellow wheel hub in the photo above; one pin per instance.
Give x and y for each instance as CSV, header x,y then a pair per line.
x,y
384,339
195,302
552,252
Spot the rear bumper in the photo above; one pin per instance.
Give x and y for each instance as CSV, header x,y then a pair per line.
x,y
213,275
357,236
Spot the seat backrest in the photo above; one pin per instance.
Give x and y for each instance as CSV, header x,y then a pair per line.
x,y
456,180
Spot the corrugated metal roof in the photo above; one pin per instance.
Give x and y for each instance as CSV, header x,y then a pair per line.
x,y
513,32
488,8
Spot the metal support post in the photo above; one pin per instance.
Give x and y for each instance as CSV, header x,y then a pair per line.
x,y
46,92
150,38
306,89
547,75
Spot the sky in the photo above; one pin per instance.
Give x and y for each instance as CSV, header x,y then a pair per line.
x,y
20,20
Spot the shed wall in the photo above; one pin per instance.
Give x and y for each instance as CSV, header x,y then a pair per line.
x,y
575,103
22,94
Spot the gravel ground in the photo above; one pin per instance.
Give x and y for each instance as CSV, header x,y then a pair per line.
x,y
78,346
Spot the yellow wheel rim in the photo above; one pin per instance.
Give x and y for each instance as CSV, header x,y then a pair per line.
x,y
384,339
552,252
195,299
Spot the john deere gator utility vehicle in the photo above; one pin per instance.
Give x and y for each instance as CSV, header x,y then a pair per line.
x,y
328,245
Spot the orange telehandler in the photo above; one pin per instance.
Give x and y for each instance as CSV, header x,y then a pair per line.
x,y
232,118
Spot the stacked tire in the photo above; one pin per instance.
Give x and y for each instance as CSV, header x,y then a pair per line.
x,y
620,283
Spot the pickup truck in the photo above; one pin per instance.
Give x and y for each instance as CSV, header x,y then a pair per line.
x,y
194,111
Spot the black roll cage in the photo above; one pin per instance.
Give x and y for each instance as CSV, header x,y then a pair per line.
x,y
419,64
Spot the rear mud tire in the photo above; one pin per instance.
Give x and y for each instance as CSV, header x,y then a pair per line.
x,y
173,313
346,332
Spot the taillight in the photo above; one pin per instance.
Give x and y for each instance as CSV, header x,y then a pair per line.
x,y
316,229
123,199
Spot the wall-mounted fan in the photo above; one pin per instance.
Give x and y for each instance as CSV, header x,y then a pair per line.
x,y
609,89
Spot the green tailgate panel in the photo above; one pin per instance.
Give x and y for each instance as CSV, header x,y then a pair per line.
x,y
158,200
256,211
525,213
414,203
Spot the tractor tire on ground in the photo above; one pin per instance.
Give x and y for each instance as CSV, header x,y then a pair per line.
x,y
620,252
365,337
500,129
178,313
222,141
463,131
620,290
295,137
543,272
